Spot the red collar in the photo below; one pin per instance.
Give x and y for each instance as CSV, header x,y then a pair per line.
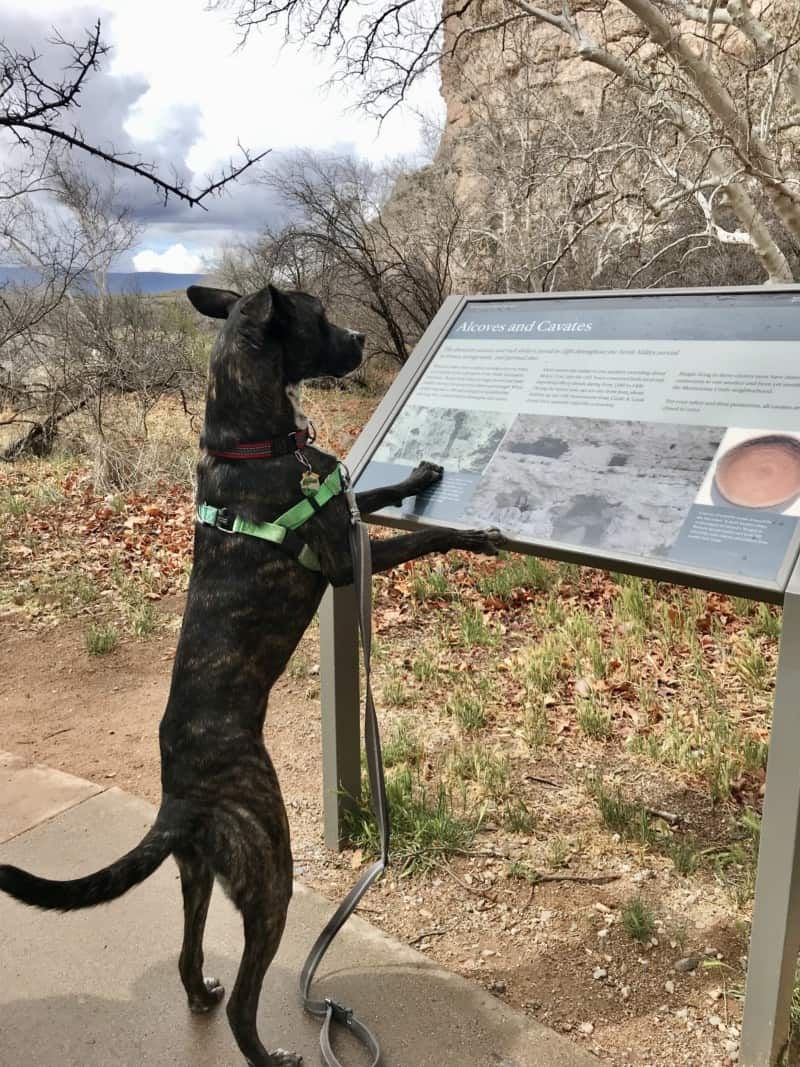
x,y
278,446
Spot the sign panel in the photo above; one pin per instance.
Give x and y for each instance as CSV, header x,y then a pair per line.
x,y
660,426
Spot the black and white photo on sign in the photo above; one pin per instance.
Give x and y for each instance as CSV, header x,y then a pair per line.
x,y
458,440
623,486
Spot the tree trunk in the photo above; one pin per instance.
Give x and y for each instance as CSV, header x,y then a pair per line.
x,y
40,438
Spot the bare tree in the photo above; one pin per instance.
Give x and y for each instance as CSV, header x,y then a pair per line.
x,y
58,226
716,90
38,110
384,268
92,345
562,195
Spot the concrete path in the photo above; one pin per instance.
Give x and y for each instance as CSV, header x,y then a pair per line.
x,y
100,988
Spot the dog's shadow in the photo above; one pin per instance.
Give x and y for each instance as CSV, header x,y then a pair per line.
x,y
416,1013
152,1025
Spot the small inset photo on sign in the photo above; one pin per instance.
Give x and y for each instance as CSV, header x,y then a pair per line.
x,y
622,486
458,440
758,470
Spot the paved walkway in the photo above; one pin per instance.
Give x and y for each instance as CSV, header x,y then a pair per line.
x,y
100,988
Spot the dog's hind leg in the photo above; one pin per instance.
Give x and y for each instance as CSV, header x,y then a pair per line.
x,y
197,881
262,935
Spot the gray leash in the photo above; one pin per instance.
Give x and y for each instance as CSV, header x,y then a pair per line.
x,y
328,1010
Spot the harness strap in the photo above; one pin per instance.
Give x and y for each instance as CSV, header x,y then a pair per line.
x,y
281,530
328,1010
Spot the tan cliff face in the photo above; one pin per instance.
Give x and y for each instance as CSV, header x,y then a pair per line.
x,y
526,53
562,174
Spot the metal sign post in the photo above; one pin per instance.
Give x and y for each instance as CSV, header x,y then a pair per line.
x,y
622,430
775,930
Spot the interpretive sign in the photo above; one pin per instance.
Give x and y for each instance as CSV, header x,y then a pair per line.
x,y
660,427
657,432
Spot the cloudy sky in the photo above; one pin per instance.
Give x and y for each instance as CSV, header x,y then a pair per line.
x,y
176,89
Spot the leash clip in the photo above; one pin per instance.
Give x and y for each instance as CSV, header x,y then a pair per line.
x,y
225,521
355,514
339,1013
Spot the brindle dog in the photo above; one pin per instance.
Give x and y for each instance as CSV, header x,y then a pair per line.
x,y
249,602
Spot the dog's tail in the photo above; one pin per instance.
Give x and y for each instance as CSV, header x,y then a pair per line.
x,y
98,888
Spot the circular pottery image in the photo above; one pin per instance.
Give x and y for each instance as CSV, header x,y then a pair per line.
x,y
761,473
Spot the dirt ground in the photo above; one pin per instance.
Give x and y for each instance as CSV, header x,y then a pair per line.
x,y
556,950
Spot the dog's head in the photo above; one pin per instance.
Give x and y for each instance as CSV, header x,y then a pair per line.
x,y
292,324
270,341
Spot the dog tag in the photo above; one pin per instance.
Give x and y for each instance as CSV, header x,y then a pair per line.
x,y
309,483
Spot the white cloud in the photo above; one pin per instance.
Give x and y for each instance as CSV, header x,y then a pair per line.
x,y
267,94
175,260
204,97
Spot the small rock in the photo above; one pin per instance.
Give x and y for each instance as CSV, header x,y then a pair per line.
x,y
497,987
687,964
487,952
602,934
598,973
715,1021
586,1028
670,986
625,992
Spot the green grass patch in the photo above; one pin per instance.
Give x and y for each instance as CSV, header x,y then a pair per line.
x,y
512,573
542,666
395,693
426,825
299,665
735,865
593,719
767,623
468,708
638,920
523,872
518,818
425,668
488,769
632,821
142,618
101,639
432,583
403,746
535,727
474,630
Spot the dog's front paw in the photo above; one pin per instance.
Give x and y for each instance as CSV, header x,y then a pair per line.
x,y
489,542
208,999
425,474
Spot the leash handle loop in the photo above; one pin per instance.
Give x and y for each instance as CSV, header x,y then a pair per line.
x,y
328,1010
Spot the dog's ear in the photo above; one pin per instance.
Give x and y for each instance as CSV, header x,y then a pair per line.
x,y
265,305
216,303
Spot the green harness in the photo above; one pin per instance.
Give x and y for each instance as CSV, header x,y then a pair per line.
x,y
282,531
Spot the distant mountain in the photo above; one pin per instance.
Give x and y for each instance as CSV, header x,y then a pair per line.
x,y
145,281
